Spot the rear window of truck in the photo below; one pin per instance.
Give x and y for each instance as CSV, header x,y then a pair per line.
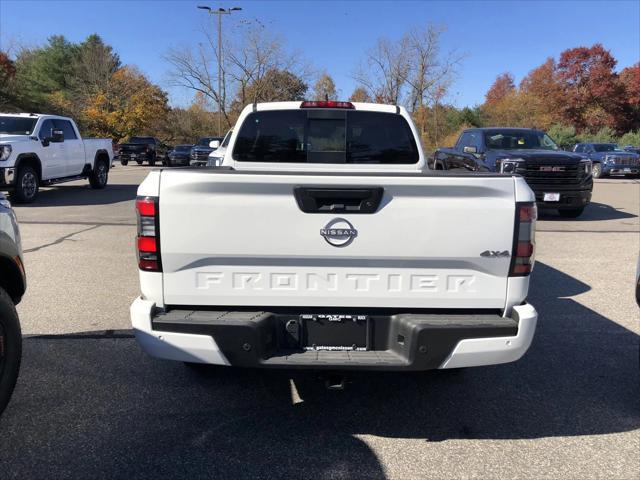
x,y
325,136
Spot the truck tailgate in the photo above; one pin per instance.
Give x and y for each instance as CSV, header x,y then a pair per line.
x,y
240,239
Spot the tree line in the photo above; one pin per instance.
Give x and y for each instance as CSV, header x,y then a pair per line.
x,y
580,96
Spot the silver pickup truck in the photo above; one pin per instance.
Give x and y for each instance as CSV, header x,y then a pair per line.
x,y
325,242
12,286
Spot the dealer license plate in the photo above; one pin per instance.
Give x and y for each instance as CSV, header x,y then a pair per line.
x,y
551,197
335,332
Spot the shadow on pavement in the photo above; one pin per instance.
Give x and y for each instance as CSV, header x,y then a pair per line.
x,y
594,211
78,195
91,407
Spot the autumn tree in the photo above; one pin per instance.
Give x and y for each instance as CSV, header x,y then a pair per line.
x,y
325,88
502,86
7,84
276,86
630,81
129,105
502,106
540,93
592,95
186,125
360,95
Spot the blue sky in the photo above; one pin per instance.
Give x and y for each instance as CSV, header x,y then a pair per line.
x,y
496,36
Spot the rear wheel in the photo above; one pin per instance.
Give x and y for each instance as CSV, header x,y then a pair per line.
x,y
571,212
152,160
27,185
124,163
10,348
99,175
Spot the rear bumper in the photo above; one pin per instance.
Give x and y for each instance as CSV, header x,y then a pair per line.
x,y
133,157
394,342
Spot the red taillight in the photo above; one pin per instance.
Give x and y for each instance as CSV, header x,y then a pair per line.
x,y
146,206
148,240
147,244
524,249
524,240
527,212
327,104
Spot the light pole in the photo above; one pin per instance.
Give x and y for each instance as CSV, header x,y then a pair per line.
x,y
219,12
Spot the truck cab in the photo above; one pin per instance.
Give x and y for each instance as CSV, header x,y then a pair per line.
x,y
560,180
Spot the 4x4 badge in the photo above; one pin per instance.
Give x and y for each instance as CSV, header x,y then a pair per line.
x,y
495,254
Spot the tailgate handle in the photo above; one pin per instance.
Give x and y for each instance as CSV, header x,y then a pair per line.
x,y
338,200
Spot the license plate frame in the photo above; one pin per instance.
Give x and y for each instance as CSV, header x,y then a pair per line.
x,y
551,197
329,332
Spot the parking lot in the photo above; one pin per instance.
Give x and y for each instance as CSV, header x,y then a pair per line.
x,y
90,404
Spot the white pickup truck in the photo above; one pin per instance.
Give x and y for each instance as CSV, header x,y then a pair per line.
x,y
38,150
324,242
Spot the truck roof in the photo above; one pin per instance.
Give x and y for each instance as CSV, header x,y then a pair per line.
x,y
510,129
33,115
371,107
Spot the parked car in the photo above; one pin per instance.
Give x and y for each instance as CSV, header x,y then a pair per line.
x,y
13,283
560,180
180,155
38,150
143,149
217,156
201,150
609,159
342,252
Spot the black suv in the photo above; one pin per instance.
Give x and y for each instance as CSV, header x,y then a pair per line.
x,y
141,149
560,180
13,284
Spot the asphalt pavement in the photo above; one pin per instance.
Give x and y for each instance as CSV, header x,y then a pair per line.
x,y
90,404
